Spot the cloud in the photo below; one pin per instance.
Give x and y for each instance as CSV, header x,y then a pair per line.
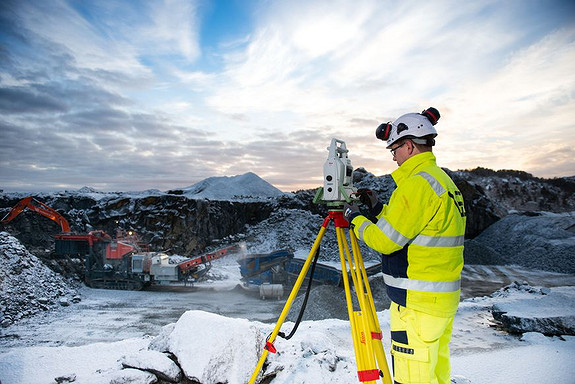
x,y
379,68
121,95
17,100
525,104
175,26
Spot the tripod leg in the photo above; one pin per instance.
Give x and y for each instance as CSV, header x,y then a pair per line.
x,y
342,257
289,301
371,313
360,329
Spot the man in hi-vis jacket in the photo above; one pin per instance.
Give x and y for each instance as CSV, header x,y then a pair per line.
x,y
420,233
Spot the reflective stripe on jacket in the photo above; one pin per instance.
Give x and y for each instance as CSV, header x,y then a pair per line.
x,y
421,233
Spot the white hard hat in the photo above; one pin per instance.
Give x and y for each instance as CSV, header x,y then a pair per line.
x,y
415,126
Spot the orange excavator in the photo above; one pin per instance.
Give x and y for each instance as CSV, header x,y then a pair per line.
x,y
39,207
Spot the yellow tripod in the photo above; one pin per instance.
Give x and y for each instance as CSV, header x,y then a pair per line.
x,y
365,329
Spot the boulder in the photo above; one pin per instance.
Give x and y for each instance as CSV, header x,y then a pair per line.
x,y
214,349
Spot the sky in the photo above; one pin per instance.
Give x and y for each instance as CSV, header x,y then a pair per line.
x,y
161,94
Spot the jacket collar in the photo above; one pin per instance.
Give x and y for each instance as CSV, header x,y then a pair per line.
x,y
413,165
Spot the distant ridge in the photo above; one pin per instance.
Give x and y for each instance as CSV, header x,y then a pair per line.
x,y
248,185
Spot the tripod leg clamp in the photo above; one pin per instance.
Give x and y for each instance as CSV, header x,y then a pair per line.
x,y
270,347
368,375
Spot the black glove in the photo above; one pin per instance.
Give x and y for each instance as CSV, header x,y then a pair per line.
x,y
369,198
350,211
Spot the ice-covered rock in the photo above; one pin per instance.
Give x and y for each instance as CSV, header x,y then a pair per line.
x,y
155,362
549,314
64,302
214,349
70,378
132,376
458,379
161,342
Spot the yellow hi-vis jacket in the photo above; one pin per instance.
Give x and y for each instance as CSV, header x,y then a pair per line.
x,y
420,233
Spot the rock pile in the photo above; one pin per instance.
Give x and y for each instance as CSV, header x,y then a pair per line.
x,y
27,286
296,230
543,241
328,301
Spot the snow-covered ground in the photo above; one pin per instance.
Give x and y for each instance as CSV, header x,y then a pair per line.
x,y
217,332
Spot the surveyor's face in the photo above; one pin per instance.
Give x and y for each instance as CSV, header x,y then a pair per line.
x,y
401,152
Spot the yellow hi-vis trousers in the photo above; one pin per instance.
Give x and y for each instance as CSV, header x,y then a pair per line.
x,y
419,346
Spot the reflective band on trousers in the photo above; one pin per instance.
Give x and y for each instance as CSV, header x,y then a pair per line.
x,y
421,285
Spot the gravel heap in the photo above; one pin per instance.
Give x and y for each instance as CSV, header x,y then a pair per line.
x,y
27,286
296,230
544,241
328,301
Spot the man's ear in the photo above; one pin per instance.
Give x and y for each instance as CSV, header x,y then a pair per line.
x,y
411,146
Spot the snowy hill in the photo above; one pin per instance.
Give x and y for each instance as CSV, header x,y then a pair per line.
x,y
240,187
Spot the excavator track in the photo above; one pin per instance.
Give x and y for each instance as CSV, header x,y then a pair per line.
x,y
118,284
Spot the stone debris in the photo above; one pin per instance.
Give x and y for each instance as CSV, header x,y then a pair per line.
x,y
27,286
328,301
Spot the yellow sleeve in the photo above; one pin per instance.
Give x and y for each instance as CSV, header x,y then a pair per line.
x,y
410,209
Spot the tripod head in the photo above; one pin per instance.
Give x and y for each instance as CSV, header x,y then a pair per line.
x,y
337,177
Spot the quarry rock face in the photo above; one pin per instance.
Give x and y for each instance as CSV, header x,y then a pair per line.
x,y
521,191
480,210
180,224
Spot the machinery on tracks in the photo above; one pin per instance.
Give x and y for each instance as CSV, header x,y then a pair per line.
x,y
123,262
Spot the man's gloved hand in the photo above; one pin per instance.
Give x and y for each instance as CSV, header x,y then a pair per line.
x,y
350,211
369,198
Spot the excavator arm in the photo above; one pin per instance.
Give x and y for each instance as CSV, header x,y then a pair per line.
x,y
38,207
